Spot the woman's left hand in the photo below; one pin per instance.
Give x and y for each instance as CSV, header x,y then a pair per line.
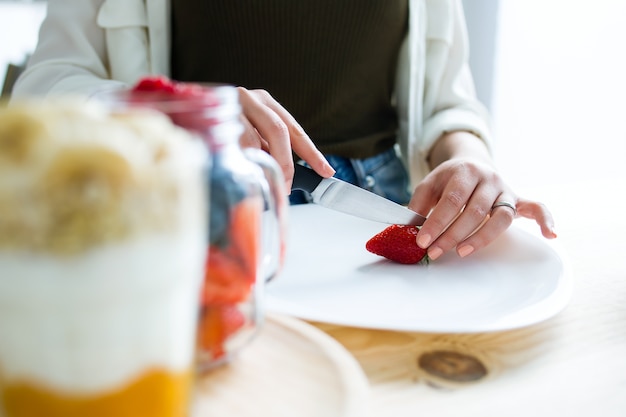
x,y
470,206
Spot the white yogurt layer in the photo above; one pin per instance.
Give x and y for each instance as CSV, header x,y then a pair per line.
x,y
94,322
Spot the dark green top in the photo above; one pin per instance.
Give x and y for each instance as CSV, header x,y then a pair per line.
x,y
330,63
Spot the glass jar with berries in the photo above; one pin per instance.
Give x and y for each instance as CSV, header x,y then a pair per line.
x,y
247,211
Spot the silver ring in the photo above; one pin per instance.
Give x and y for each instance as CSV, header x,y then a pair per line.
x,y
504,204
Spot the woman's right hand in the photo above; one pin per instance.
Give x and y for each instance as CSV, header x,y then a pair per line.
x,y
270,127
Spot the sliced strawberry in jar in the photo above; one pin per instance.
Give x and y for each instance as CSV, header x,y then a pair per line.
x,y
216,325
226,281
155,84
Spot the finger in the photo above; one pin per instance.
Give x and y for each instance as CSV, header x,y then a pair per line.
x,y
505,203
424,197
499,220
454,197
270,127
474,215
301,143
540,213
250,138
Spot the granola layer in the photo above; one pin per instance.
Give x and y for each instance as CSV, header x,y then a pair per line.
x,y
74,176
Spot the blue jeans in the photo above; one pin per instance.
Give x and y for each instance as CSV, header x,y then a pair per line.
x,y
383,174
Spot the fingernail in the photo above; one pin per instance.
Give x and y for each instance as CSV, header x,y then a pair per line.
x,y
328,168
434,253
423,241
463,251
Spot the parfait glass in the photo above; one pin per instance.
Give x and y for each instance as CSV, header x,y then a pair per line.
x,y
103,239
247,221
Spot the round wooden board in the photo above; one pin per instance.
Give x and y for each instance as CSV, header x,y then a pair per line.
x,y
291,368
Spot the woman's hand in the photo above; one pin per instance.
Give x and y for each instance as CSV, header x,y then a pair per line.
x,y
464,196
270,127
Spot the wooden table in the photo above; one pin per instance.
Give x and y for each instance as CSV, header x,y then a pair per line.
x,y
571,365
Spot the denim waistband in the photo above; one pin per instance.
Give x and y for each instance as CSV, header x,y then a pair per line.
x,y
383,174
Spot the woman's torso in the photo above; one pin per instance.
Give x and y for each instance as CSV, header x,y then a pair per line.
x,y
330,63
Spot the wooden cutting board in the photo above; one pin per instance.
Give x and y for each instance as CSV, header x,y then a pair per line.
x,y
291,368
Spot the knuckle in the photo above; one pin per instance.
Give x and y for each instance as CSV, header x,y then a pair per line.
x,y
278,128
247,140
258,95
454,198
298,131
435,223
494,177
507,214
476,212
243,92
263,94
465,168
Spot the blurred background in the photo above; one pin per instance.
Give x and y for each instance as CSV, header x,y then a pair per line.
x,y
551,72
559,96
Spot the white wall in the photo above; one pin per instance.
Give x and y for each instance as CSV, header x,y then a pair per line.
x,y
560,91
19,27
482,25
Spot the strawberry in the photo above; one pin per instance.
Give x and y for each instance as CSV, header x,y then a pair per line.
x,y
155,89
174,89
155,84
230,276
226,281
244,231
231,267
398,243
216,325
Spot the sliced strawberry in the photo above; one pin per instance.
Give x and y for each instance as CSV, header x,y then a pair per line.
x,y
245,226
216,325
226,281
397,243
231,268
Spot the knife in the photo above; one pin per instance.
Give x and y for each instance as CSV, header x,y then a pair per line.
x,y
347,198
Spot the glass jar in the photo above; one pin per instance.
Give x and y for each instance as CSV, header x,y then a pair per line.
x,y
247,216
102,254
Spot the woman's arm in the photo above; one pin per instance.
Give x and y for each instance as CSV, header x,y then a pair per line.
x,y
449,100
468,201
70,57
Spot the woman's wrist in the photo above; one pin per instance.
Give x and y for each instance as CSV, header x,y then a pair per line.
x,y
458,144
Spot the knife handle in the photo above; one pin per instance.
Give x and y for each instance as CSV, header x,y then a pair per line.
x,y
305,179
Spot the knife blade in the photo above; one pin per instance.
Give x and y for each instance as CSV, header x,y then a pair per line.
x,y
347,198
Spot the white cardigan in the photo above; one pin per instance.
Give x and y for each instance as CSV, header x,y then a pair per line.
x,y
86,46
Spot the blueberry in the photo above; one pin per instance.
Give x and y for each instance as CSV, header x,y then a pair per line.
x,y
226,192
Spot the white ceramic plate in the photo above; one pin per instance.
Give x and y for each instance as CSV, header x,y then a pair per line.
x,y
329,276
